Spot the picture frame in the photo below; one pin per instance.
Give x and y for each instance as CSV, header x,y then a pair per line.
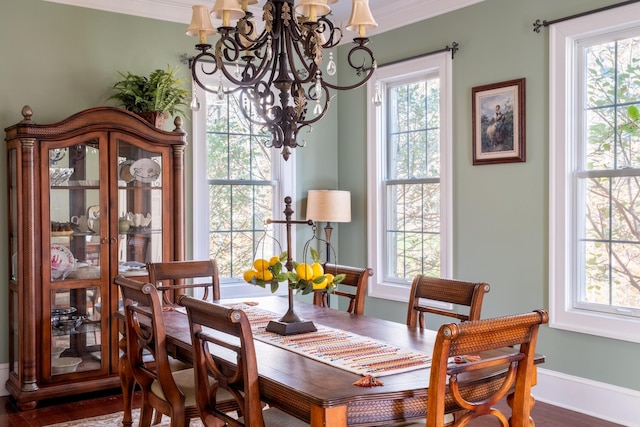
x,y
498,116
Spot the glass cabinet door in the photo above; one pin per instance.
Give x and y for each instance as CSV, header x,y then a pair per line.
x,y
13,250
140,207
79,257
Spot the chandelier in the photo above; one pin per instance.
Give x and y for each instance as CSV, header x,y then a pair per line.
x,y
276,70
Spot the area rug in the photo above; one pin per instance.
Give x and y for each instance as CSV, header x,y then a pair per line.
x,y
115,420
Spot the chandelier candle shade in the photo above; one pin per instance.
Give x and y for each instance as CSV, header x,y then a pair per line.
x,y
328,206
277,72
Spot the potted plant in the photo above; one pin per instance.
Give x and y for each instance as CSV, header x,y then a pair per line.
x,y
153,97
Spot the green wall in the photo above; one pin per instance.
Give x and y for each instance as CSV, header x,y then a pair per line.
x,y
62,59
500,211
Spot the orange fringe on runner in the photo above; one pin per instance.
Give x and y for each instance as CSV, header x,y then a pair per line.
x,y
368,381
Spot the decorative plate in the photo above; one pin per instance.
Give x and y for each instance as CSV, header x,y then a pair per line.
x,y
62,262
125,171
145,170
61,311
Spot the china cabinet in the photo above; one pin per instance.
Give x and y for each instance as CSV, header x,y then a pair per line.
x,y
98,194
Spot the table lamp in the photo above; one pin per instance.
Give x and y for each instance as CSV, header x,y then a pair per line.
x,y
329,206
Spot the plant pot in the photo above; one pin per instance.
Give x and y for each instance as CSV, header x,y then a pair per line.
x,y
156,118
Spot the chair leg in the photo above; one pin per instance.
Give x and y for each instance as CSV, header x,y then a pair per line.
x,y
146,412
158,418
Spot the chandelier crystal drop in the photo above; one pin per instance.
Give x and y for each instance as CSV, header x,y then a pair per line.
x,y
275,67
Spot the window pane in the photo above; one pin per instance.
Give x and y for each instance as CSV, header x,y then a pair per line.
x,y
413,229
413,153
609,257
240,185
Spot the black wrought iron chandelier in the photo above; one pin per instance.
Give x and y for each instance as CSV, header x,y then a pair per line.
x,y
277,71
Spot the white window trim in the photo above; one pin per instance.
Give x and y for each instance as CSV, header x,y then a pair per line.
x,y
562,125
284,172
441,62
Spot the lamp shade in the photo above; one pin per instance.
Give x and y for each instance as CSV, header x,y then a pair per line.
x,y
329,205
361,18
312,9
227,10
200,24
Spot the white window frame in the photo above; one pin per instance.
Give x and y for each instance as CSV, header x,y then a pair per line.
x,y
564,132
282,171
441,64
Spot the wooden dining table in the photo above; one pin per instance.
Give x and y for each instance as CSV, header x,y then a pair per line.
x,y
317,392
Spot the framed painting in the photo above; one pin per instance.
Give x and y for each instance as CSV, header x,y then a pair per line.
x,y
499,122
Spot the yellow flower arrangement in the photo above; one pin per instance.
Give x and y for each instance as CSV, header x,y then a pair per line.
x,y
304,278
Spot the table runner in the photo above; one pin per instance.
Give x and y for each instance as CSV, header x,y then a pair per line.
x,y
342,349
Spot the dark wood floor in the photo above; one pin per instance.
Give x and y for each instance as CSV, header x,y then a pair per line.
x,y
57,411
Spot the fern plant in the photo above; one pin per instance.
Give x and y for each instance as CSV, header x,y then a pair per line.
x,y
161,91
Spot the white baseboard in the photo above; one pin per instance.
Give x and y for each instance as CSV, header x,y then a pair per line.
x,y
611,403
601,400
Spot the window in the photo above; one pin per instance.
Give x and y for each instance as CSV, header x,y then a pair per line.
x,y
595,174
409,174
238,184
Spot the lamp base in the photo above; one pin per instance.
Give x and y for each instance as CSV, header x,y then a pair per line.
x,y
291,328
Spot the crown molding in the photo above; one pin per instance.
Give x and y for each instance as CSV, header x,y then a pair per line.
x,y
180,10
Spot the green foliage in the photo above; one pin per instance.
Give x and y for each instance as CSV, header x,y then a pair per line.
x,y
161,91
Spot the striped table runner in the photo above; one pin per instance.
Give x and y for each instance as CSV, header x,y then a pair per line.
x,y
342,349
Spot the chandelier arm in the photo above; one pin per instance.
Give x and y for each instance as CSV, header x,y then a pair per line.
x,y
251,74
325,109
244,95
359,68
228,48
332,31
309,68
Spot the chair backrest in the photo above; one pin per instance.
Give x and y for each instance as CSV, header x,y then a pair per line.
x,y
356,278
171,278
231,334
517,334
146,336
462,294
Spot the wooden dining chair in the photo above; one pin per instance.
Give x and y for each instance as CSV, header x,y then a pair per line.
x,y
173,278
229,333
451,385
467,296
171,393
356,279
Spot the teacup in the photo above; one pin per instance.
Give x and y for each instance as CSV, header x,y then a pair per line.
x,y
94,225
81,222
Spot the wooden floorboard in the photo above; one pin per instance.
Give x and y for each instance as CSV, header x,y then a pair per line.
x,y
67,409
